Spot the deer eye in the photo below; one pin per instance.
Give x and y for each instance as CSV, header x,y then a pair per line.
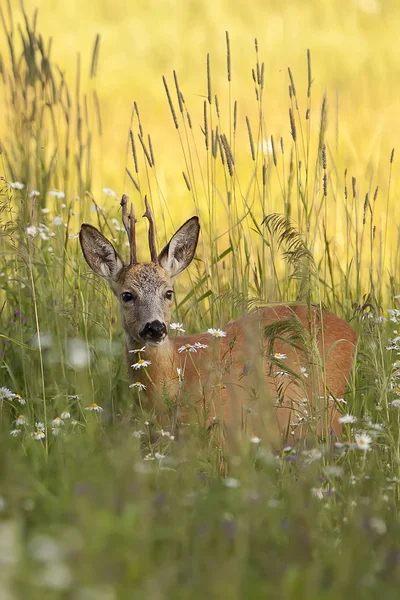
x,y
169,294
127,297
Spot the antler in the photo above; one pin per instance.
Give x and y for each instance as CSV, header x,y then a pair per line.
x,y
129,222
152,231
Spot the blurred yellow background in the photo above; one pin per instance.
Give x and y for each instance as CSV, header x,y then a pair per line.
x,y
353,47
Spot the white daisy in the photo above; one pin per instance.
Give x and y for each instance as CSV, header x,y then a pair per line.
x,y
109,192
6,394
138,434
363,441
138,386
57,221
231,482
45,211
15,432
21,420
218,333
137,350
303,371
17,185
187,348
141,363
40,426
38,435
34,194
280,356
159,456
200,346
57,422
57,194
94,407
177,327
347,419
31,230
255,440
318,493
65,415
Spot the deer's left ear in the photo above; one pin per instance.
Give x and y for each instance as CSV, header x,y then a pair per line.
x,y
179,252
99,253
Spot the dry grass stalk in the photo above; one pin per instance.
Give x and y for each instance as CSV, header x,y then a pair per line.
x,y
133,148
146,153
178,92
253,156
186,181
132,179
273,151
209,94
171,106
292,125
228,56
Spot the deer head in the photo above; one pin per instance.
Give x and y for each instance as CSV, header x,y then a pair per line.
x,y
145,290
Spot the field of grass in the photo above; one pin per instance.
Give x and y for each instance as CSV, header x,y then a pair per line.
x,y
90,506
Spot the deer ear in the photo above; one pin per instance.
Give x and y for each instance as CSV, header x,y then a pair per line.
x,y
99,253
179,252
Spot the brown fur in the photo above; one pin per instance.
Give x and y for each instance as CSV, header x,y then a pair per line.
x,y
222,381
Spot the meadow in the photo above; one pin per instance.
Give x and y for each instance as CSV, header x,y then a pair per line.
x,y
207,110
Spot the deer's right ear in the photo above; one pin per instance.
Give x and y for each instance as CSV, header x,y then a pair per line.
x,y
99,253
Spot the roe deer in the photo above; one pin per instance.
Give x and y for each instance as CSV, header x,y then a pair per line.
x,y
280,369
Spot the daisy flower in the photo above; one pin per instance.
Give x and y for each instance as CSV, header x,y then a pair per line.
x,y
94,407
57,221
38,435
109,192
21,420
141,363
318,493
15,432
137,350
57,422
255,440
177,327
363,441
34,194
280,356
138,434
31,230
187,348
17,185
40,426
6,394
218,333
303,371
138,386
65,415
57,194
346,419
200,346
231,482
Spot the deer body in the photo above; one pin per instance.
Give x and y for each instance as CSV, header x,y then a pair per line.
x,y
266,385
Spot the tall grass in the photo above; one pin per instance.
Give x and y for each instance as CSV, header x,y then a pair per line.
x,y
90,506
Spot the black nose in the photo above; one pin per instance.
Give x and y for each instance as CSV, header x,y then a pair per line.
x,y
153,331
